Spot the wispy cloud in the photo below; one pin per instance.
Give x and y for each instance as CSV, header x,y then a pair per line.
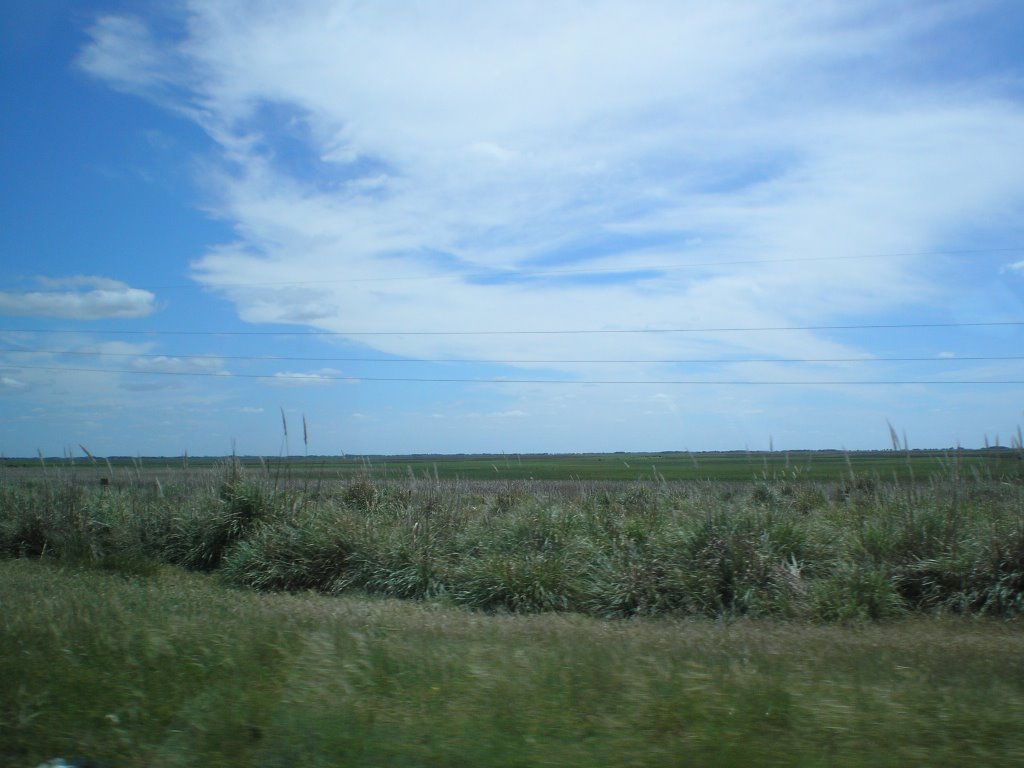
x,y
305,378
538,167
89,298
178,365
126,55
432,147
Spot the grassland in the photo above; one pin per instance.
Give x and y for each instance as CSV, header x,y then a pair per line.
x,y
174,669
730,466
270,614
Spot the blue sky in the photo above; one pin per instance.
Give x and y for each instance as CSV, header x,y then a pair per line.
x,y
518,227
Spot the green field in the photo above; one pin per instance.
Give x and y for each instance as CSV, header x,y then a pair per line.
x,y
734,466
729,466
802,609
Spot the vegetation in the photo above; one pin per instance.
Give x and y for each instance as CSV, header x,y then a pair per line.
x,y
732,466
172,669
246,615
783,546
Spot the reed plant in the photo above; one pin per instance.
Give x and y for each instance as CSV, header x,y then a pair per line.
x,y
782,546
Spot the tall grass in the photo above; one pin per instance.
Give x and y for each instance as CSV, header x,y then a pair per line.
x,y
145,622
857,548
173,669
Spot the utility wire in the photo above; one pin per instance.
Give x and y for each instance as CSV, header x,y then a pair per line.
x,y
318,377
573,332
287,358
514,274
525,274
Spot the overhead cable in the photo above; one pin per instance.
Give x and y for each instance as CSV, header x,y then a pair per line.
x,y
314,377
482,361
499,274
526,332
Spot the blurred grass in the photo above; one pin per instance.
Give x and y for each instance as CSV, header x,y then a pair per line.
x,y
783,620
173,669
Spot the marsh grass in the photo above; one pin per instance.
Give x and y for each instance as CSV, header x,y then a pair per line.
x,y
237,616
781,546
233,616
175,669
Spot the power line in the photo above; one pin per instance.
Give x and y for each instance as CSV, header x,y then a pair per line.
x,y
432,380
523,332
513,274
499,274
288,358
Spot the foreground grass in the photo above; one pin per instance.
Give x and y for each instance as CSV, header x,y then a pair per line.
x,y
174,669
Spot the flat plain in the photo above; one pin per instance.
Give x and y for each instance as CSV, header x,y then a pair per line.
x,y
624,609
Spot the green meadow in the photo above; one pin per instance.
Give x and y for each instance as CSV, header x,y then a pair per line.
x,y
802,609
734,466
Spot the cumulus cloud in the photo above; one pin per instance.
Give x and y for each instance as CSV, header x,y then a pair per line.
x,y
84,298
535,167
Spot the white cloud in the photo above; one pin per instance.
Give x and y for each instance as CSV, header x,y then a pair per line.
x,y
106,299
514,414
179,365
125,54
454,142
115,348
79,281
10,382
305,378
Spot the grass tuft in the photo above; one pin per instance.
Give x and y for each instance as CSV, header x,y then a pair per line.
x,y
779,546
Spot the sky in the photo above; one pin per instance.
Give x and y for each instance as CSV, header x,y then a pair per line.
x,y
519,227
